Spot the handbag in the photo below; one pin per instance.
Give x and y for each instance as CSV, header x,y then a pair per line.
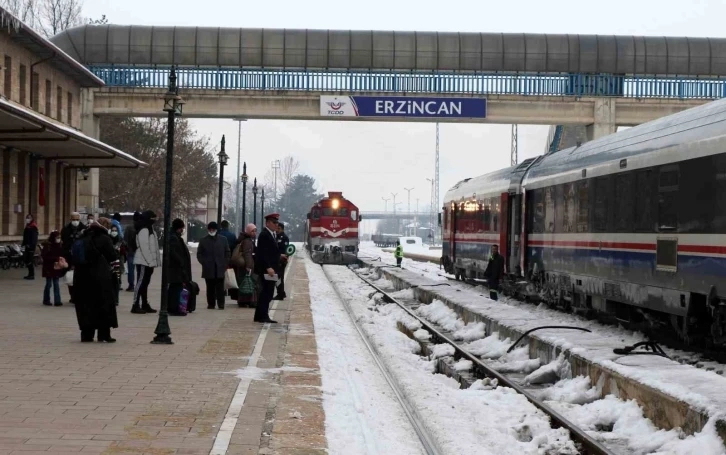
x,y
230,280
247,285
183,300
238,260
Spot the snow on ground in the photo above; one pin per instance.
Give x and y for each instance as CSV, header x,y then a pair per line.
x,y
481,420
368,251
704,390
362,415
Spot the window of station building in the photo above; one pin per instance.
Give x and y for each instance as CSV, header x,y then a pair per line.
x,y
23,82
624,206
48,97
668,185
8,79
34,91
645,188
69,108
59,103
583,206
549,207
602,204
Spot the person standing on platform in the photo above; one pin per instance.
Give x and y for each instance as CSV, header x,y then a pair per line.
x,y
30,243
130,241
282,243
213,253
147,257
51,253
398,253
247,280
267,261
180,266
69,234
494,272
120,249
225,232
116,221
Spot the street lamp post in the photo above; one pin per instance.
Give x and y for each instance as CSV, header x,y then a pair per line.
x,y
173,107
386,206
244,197
222,163
275,167
394,212
409,205
254,199
239,152
431,214
262,205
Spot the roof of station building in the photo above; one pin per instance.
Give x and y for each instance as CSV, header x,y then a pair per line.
x,y
393,50
45,50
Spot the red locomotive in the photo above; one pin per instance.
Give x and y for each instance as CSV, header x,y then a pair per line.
x,y
331,232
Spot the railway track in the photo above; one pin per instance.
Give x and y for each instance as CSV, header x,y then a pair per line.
x,y
586,444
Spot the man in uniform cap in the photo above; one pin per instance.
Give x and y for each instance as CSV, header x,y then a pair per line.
x,y
267,262
282,242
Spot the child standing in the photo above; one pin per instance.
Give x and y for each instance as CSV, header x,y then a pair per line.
x,y
51,253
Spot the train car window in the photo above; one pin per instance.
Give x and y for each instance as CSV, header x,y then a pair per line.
x,y
354,215
487,215
583,206
559,208
600,219
537,211
644,216
668,184
495,215
718,222
698,183
343,211
327,211
549,215
624,205
569,211
316,214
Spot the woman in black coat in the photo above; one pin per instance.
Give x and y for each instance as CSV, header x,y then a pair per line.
x,y
180,266
93,280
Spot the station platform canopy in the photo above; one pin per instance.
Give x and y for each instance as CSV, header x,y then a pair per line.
x,y
27,131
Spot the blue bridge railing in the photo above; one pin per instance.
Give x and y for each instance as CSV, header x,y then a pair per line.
x,y
416,82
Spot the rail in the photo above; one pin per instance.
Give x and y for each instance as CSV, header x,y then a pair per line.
x,y
589,445
415,82
428,442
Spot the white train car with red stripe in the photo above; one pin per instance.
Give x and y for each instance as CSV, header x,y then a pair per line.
x,y
630,227
332,230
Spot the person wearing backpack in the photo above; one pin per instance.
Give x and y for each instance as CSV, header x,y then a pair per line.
x,y
146,258
96,268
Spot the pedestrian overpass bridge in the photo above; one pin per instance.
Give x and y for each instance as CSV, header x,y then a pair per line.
x,y
599,81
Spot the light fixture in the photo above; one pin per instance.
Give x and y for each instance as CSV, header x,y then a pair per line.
x,y
84,172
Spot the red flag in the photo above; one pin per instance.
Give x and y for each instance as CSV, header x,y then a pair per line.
x,y
41,186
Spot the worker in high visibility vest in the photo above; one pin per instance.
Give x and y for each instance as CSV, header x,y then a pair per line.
x,y
398,253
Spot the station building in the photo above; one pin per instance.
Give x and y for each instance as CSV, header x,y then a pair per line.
x,y
49,151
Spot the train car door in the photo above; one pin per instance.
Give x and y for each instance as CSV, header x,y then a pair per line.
x,y
504,217
513,233
452,232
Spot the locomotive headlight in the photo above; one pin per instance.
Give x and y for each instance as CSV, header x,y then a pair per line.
x,y
336,204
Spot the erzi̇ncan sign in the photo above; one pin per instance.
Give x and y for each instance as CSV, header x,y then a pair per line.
x,y
402,106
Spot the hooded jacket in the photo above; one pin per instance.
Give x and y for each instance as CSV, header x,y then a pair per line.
x,y
147,244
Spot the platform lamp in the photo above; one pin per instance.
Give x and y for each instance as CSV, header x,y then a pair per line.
x,y
262,208
254,202
173,104
243,177
222,163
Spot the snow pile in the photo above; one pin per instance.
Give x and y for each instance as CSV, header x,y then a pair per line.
x,y
557,369
422,335
490,347
622,422
517,361
442,350
439,313
575,391
403,294
463,365
481,419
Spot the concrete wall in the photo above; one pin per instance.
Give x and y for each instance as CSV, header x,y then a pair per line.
x,y
20,173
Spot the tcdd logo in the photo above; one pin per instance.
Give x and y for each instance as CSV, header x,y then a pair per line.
x,y
335,107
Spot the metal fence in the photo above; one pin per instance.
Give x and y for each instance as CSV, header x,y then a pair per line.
x,y
416,82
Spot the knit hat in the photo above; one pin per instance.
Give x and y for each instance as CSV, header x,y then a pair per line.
x,y
177,224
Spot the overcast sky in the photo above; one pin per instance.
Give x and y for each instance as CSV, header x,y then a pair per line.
x,y
383,158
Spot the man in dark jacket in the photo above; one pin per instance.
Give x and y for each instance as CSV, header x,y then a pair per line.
x,y
213,253
231,238
69,234
282,242
494,272
130,240
30,243
267,262
180,266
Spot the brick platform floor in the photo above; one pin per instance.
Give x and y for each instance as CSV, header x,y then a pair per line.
x,y
58,395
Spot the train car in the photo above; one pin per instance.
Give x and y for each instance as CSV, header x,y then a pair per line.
x,y
630,227
332,230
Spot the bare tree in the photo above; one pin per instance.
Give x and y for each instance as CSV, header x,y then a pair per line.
x,y
25,10
59,15
289,168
